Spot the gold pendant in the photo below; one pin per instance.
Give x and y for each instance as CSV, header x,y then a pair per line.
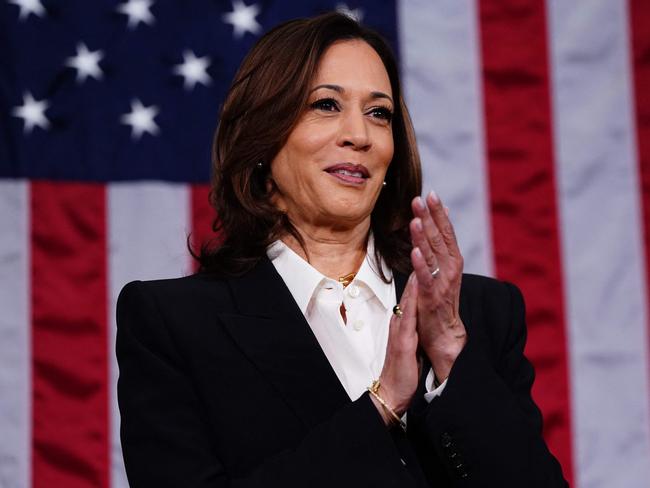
x,y
347,279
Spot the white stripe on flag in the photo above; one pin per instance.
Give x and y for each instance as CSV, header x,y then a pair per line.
x,y
601,241
440,53
15,337
148,224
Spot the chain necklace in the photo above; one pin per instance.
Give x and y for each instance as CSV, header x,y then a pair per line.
x,y
347,279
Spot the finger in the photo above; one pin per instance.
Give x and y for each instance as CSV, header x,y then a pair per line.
x,y
409,290
407,332
403,328
396,319
421,270
431,231
419,239
440,215
408,304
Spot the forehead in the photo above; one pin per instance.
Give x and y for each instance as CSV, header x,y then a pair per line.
x,y
353,64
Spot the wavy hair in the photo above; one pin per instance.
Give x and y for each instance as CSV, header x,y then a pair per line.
x,y
266,99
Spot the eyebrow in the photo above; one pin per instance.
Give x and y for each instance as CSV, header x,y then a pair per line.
x,y
340,89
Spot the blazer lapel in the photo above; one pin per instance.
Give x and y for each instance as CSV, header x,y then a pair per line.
x,y
273,333
400,284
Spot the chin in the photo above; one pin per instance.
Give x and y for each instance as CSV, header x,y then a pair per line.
x,y
349,213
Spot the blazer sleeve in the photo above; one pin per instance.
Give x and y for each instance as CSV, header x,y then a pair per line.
x,y
485,427
168,442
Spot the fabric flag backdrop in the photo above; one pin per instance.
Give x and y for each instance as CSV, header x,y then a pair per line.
x,y
533,119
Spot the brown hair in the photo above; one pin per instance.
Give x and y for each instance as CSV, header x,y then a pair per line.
x,y
268,95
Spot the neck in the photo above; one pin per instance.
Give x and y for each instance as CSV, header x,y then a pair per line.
x,y
334,253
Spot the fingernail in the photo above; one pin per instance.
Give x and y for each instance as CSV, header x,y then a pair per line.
x,y
418,253
418,225
447,211
434,196
420,203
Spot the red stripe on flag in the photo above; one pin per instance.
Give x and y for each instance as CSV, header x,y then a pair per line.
x,y
523,195
640,34
202,217
69,336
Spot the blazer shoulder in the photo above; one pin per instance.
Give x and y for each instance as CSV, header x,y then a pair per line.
x,y
189,291
492,290
495,312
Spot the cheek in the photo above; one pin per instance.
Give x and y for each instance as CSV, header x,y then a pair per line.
x,y
302,153
385,149
308,139
294,164
390,150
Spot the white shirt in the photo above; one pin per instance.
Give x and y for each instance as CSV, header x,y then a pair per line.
x,y
356,349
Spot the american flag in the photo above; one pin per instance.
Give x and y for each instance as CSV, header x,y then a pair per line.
x,y
533,122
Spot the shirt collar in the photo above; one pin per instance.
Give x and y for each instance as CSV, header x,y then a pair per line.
x,y
369,275
302,278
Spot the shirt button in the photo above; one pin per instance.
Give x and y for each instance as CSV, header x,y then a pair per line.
x,y
358,325
354,291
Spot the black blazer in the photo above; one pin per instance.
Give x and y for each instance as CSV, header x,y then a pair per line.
x,y
223,384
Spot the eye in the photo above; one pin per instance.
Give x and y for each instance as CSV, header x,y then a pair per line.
x,y
325,104
383,113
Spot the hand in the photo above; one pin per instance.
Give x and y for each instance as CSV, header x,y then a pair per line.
x,y
440,330
400,374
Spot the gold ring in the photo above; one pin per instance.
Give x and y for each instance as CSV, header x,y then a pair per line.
x,y
397,310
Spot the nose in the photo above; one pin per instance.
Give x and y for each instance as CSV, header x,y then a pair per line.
x,y
353,131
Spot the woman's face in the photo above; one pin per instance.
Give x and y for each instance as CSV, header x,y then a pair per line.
x,y
331,169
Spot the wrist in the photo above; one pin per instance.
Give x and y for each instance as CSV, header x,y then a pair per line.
x,y
387,411
442,358
388,420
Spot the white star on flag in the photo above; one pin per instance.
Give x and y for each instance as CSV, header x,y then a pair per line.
x,y
29,7
353,13
86,63
32,112
141,119
193,70
243,19
137,11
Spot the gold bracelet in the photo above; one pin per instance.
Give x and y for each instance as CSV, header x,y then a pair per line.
x,y
373,390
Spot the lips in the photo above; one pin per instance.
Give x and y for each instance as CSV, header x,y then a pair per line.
x,y
356,171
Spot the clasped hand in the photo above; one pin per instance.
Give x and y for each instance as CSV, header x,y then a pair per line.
x,y
430,306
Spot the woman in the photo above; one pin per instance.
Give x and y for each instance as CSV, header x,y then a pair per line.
x,y
330,338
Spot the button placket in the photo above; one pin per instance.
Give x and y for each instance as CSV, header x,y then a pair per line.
x,y
454,457
354,291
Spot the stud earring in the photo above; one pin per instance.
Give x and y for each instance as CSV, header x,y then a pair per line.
x,y
384,183
260,165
